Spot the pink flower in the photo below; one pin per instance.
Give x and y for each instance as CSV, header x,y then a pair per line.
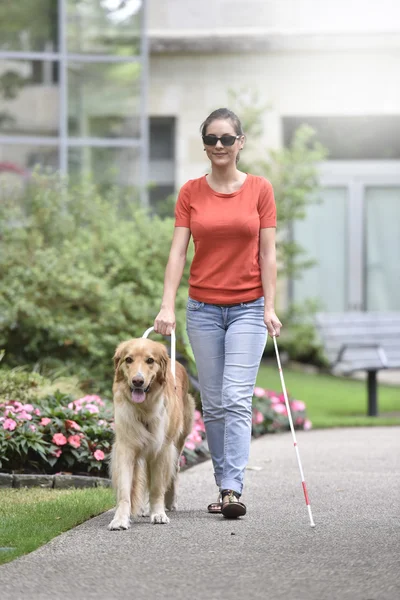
x,y
297,405
299,421
75,441
307,425
24,415
259,392
57,452
274,400
45,421
72,425
27,407
197,415
182,460
258,417
101,422
90,399
32,427
59,439
190,445
37,412
99,455
280,409
9,424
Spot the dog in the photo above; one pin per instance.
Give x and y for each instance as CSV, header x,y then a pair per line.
x,y
153,416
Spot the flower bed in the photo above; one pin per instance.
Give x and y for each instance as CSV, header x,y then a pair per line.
x,y
60,434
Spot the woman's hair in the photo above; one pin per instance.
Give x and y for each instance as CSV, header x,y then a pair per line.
x,y
222,113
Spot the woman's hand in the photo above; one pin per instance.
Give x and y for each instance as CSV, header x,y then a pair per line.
x,y
272,322
164,322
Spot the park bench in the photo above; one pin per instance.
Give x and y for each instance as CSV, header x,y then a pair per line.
x,y
361,341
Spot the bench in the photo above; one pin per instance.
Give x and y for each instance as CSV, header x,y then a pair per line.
x,y
367,341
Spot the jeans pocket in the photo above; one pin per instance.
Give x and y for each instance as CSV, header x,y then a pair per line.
x,y
194,304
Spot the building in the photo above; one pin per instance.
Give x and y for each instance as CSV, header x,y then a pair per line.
x,y
73,88
79,77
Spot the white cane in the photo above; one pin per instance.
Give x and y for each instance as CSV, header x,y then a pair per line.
x,y
303,483
173,349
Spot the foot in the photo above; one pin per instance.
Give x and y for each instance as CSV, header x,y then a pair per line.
x,y
119,522
215,507
159,518
144,511
232,508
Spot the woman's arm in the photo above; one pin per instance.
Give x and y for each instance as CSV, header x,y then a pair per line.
x,y
268,278
165,321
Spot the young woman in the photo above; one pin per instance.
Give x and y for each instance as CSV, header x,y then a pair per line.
x,y
232,218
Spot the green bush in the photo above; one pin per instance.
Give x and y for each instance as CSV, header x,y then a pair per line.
x,y
78,274
20,384
29,386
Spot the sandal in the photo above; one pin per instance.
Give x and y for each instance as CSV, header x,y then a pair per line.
x,y
231,507
215,507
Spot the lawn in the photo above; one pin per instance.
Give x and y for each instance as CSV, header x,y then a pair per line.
x,y
31,517
333,401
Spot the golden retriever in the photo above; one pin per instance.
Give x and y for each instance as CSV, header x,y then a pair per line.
x,y
152,420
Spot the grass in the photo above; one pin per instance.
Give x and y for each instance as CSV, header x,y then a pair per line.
x,y
32,517
333,401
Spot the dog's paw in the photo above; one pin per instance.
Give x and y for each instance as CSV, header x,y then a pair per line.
x,y
159,518
119,523
172,508
144,511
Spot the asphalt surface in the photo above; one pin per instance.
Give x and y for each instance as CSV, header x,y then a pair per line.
x,y
352,554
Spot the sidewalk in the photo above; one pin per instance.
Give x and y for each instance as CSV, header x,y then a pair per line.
x,y
353,553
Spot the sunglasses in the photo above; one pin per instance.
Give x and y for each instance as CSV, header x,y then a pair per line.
x,y
226,140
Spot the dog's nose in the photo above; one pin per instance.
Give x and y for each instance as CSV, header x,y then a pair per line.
x,y
138,381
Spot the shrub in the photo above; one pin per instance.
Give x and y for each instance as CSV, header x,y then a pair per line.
x,y
29,386
78,274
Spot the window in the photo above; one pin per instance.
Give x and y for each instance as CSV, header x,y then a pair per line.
x,y
352,137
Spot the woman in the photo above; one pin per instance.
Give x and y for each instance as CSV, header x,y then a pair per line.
x,y
232,218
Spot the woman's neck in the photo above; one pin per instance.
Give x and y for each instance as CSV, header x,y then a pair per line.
x,y
225,175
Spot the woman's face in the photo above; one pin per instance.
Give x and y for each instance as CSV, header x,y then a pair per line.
x,y
221,155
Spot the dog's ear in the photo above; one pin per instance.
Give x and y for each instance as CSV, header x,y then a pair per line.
x,y
163,362
118,356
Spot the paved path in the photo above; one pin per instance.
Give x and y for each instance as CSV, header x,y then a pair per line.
x,y
352,554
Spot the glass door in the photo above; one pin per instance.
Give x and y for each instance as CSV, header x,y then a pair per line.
x,y
353,235
323,235
382,248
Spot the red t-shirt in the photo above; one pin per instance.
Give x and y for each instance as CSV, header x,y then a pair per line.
x,y
226,235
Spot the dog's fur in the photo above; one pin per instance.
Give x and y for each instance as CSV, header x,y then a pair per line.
x,y
149,436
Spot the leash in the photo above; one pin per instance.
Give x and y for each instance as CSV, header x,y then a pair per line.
x,y
173,349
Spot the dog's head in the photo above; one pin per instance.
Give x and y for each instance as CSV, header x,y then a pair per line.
x,y
141,365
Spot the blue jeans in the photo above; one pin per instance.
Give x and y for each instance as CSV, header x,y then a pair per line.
x,y
228,345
